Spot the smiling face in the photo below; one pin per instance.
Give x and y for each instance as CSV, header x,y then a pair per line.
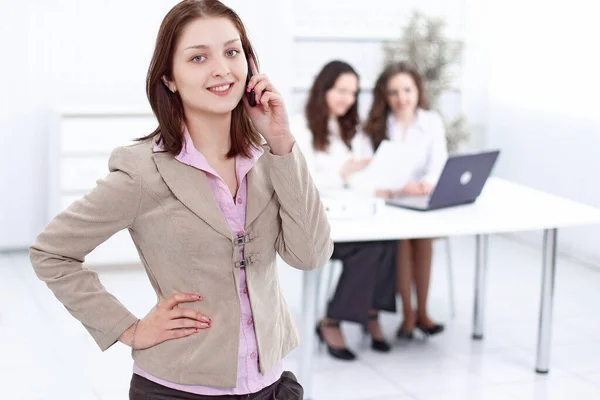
x,y
402,94
209,67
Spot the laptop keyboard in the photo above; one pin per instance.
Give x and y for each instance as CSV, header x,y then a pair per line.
x,y
413,201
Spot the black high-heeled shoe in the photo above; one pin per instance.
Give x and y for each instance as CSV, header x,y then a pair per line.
x,y
376,344
431,330
340,354
404,334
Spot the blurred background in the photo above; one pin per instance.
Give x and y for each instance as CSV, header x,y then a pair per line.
x,y
525,81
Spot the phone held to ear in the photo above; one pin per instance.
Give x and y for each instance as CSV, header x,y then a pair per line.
x,y
250,96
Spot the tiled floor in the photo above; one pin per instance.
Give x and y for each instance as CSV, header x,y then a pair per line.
x,y
45,354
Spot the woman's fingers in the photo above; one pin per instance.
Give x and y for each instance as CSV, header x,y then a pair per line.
x,y
267,98
260,88
260,83
186,323
172,301
179,333
252,65
188,313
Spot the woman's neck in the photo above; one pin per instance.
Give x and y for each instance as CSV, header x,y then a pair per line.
x,y
405,119
210,133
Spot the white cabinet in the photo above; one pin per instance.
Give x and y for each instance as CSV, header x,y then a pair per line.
x,y
79,152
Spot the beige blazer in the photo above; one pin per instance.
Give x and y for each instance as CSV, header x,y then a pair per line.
x,y
186,245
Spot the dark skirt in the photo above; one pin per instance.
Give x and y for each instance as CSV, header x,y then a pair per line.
x,y
367,280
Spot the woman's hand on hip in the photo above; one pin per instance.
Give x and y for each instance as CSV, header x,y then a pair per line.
x,y
166,321
269,116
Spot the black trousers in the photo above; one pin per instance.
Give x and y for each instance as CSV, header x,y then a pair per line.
x,y
286,388
367,280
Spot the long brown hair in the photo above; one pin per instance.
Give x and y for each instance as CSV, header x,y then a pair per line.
x,y
317,111
167,106
376,125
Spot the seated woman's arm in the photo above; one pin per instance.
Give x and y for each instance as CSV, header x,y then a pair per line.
x,y
327,172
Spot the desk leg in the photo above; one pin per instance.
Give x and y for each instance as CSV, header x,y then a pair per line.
x,y
480,282
310,288
547,298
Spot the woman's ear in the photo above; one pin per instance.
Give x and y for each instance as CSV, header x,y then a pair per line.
x,y
170,85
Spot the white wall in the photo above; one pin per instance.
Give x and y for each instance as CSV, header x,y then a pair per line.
x,y
61,52
85,53
542,103
475,69
354,33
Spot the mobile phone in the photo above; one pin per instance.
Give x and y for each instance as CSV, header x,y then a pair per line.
x,y
250,96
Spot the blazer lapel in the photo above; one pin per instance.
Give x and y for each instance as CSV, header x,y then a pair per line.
x,y
191,187
260,191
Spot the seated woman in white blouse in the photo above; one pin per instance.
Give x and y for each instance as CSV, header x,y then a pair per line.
x,y
326,135
399,113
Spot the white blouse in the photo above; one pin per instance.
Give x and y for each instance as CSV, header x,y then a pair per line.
x,y
424,139
325,166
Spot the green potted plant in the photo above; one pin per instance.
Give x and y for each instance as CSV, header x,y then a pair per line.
x,y
424,43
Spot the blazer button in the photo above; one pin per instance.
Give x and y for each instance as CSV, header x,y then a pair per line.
x,y
239,201
253,355
250,321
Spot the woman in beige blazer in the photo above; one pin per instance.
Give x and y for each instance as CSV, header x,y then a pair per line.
x,y
179,191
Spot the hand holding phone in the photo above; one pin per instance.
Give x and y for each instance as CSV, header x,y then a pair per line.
x,y
267,111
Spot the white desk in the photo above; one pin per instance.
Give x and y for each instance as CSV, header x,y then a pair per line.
x,y
502,207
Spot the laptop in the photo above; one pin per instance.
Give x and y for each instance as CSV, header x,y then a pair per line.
x,y
461,182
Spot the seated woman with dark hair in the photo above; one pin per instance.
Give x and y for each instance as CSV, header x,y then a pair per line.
x,y
326,135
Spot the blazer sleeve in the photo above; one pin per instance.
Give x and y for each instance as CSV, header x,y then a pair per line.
x,y
304,241
60,249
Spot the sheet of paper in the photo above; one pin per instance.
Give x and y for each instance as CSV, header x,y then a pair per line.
x,y
391,166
